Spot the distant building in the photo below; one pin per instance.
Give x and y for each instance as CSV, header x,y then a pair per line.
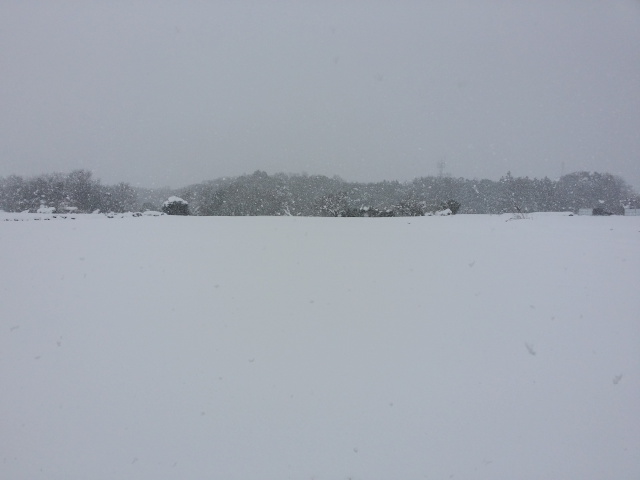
x,y
631,212
585,211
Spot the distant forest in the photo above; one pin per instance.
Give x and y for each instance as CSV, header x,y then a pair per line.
x,y
317,195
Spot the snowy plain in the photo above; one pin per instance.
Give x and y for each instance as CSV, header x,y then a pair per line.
x,y
464,347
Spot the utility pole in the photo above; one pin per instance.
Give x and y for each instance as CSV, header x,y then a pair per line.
x,y
441,166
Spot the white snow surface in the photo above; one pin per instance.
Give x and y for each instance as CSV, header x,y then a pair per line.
x,y
456,347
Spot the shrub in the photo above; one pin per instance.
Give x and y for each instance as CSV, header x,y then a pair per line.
x,y
452,205
175,206
601,212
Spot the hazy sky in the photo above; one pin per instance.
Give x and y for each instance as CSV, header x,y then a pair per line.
x,y
172,93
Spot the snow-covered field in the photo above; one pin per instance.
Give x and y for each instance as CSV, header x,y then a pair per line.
x,y
465,347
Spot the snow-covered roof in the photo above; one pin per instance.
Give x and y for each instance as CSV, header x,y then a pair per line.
x,y
175,199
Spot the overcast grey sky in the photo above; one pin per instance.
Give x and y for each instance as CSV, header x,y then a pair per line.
x,y
176,92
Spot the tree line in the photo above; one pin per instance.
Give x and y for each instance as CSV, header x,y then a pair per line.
x,y
318,195
77,191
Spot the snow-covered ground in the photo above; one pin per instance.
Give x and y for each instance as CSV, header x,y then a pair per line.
x,y
464,347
